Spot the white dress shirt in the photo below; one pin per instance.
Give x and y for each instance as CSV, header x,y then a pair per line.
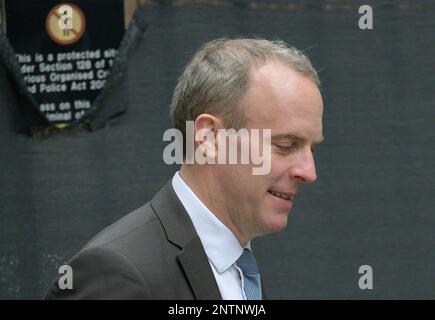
x,y
221,246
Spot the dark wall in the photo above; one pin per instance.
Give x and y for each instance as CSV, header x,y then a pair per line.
x,y
373,202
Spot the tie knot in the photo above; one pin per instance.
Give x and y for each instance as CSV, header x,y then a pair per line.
x,y
247,262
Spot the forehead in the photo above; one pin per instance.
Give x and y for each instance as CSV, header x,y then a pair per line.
x,y
280,99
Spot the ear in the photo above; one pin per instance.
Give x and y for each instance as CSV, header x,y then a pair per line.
x,y
208,122
205,130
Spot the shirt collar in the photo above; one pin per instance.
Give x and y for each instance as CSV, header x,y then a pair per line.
x,y
220,244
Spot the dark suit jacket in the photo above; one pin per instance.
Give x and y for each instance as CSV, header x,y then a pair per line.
x,y
152,253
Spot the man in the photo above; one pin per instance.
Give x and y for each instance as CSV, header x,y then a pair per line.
x,y
192,240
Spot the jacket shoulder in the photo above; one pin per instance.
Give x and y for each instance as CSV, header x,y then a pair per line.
x,y
100,273
131,223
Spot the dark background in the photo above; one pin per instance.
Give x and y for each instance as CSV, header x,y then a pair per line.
x,y
373,202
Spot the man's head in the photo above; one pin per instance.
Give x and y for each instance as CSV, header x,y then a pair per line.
x,y
254,84
218,75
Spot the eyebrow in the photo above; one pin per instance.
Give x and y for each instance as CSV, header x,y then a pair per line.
x,y
295,136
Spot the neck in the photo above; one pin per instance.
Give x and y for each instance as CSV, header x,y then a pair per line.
x,y
202,182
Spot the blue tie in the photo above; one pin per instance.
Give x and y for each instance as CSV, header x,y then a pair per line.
x,y
251,275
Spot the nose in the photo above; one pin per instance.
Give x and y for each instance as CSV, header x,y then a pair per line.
x,y
304,168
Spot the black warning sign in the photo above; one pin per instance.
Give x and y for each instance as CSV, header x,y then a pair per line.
x,y
65,51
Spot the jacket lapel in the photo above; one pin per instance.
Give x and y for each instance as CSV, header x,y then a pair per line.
x,y
180,231
198,271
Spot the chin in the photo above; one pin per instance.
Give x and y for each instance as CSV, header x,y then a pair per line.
x,y
277,224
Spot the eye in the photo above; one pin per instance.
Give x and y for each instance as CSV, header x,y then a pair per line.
x,y
285,147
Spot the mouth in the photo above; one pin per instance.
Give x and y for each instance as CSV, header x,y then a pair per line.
x,y
282,198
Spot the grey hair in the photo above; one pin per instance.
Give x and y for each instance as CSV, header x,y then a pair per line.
x,y
217,77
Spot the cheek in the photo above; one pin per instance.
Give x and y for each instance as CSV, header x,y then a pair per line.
x,y
248,188
236,179
279,166
257,185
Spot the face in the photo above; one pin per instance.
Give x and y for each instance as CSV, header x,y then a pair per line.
x,y
291,106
